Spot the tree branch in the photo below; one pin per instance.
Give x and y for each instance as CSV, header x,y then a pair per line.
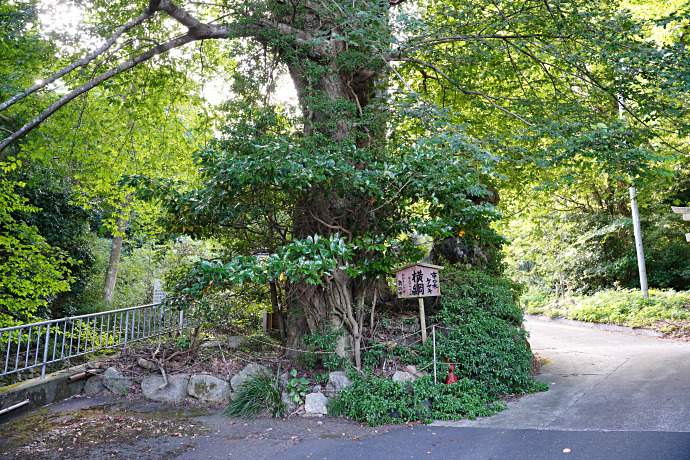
x,y
80,63
467,38
24,130
466,91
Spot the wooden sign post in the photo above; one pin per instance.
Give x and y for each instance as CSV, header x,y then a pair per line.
x,y
418,280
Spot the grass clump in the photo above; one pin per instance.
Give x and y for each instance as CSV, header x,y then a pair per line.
x,y
258,394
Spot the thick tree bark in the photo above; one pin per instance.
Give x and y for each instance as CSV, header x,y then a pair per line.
x,y
338,303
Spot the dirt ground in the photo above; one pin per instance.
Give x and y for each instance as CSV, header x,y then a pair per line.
x,y
132,428
129,426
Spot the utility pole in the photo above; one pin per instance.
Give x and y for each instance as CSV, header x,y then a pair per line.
x,y
638,243
641,267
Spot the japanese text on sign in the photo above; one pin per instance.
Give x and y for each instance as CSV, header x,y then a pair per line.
x,y
418,280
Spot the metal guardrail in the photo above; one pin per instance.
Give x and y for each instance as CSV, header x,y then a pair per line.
x,y
40,344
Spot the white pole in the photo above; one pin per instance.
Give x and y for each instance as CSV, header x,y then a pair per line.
x,y
638,243
636,224
433,336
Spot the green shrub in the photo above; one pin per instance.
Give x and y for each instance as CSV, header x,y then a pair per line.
x,y
477,290
377,400
626,307
478,330
629,308
481,332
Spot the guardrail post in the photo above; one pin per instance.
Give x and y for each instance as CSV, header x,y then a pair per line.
x,y
45,352
132,338
126,326
161,321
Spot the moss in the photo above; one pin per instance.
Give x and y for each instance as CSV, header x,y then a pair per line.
x,y
9,387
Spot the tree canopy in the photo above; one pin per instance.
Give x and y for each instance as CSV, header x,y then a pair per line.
x,y
409,114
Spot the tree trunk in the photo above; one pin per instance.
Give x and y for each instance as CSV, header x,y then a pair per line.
x,y
334,102
277,311
114,261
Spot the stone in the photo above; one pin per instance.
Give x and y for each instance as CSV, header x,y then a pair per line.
x,y
174,392
208,388
401,376
147,364
284,380
94,385
317,389
315,404
289,403
212,344
413,370
251,369
336,382
114,381
235,341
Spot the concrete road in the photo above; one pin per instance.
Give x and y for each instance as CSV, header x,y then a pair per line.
x,y
601,381
612,396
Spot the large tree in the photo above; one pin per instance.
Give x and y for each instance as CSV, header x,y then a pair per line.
x,y
406,109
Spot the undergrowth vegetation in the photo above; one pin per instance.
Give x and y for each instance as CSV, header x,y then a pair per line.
x,y
625,307
479,332
377,400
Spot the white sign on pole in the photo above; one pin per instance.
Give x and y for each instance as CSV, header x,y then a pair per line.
x,y
158,292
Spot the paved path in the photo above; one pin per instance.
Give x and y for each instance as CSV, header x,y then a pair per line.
x,y
612,396
603,381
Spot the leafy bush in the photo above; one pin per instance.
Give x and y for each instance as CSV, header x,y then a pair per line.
x,y
377,400
259,393
468,291
31,270
626,307
478,330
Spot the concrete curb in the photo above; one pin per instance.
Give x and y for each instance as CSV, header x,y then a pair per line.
x,y
40,392
599,326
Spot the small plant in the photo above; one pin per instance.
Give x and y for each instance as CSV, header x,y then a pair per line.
x,y
183,343
260,392
373,356
321,349
321,378
297,387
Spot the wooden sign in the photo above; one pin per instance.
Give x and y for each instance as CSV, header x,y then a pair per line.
x,y
418,280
